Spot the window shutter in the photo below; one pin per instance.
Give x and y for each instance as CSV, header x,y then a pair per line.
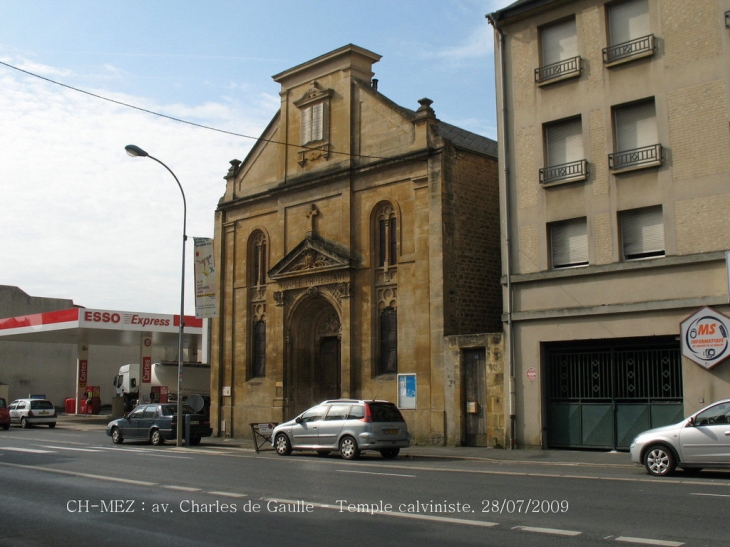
x,y
636,126
642,232
569,242
628,21
564,142
306,124
317,122
559,42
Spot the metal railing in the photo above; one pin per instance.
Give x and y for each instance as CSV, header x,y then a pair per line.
x,y
558,70
638,157
629,49
576,170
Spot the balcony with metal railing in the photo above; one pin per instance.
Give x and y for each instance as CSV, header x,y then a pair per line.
x,y
562,70
638,158
564,173
628,51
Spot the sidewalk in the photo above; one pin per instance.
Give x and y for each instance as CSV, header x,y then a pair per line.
x,y
576,458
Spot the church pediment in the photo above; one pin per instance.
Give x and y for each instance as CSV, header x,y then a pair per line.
x,y
314,255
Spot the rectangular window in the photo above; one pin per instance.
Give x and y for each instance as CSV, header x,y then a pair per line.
x,y
642,233
629,31
313,123
564,152
569,243
558,52
388,358
637,140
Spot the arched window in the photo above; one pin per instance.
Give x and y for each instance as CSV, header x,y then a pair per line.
x,y
386,237
388,358
258,365
257,259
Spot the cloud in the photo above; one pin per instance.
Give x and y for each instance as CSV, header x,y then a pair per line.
x,y
83,220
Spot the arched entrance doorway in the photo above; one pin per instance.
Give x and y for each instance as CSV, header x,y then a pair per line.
x,y
314,362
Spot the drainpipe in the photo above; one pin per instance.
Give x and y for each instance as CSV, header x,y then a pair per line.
x,y
504,157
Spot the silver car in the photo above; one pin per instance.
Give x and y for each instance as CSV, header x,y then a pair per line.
x,y
699,441
349,426
28,412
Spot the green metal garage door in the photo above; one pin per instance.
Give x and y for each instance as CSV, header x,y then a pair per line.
x,y
602,396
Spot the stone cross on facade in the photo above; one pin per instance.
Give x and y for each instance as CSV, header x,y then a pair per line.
x,y
311,214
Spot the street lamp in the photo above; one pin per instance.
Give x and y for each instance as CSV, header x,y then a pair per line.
x,y
136,151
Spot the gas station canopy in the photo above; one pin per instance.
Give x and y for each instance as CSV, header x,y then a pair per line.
x,y
100,327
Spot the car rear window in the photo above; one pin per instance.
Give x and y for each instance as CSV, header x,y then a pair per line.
x,y
3,403
385,412
41,405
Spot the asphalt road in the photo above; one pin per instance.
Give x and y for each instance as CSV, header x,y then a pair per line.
x,y
65,487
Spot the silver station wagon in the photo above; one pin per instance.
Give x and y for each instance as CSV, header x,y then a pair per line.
x,y
349,426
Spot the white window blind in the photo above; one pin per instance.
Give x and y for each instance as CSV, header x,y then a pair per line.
x,y
636,126
313,123
559,42
642,233
628,21
569,242
564,142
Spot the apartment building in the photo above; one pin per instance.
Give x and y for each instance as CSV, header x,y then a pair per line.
x,y
614,148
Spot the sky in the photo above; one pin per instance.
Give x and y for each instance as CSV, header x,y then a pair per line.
x,y
81,220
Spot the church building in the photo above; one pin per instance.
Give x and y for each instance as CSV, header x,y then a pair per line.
x,y
359,257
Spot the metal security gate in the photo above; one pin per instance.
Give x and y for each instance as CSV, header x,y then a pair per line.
x,y
602,396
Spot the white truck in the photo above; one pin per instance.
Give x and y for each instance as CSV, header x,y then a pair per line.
x,y
196,379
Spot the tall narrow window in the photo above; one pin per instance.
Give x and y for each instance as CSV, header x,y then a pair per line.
x,y
313,123
569,243
258,366
258,259
564,152
388,359
558,52
637,140
387,237
642,233
629,31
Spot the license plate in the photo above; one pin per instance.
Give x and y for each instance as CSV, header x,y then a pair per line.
x,y
194,422
391,431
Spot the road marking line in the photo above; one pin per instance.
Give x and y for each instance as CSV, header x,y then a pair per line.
x,y
29,450
552,531
78,474
447,520
644,541
714,495
71,448
228,494
373,473
182,488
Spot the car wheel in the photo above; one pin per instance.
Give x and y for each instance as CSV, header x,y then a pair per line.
x,y
659,461
389,453
117,437
6,426
195,441
24,423
323,453
156,438
282,445
349,449
52,425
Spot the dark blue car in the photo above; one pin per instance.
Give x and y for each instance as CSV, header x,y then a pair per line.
x,y
157,423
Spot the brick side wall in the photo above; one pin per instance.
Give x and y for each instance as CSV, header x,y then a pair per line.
x,y
472,264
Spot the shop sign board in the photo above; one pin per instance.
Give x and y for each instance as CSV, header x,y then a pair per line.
x,y
704,337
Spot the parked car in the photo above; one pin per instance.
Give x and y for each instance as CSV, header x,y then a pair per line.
x,y
347,425
699,441
157,423
4,414
28,412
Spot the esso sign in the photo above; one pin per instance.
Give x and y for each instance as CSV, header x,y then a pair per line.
x,y
102,317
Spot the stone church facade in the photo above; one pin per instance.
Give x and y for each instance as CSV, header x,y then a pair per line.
x,y
357,242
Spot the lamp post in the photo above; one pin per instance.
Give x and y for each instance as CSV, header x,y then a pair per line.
x,y
136,151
